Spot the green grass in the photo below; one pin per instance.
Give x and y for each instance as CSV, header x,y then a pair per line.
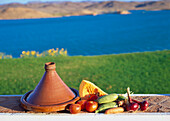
x,y
147,72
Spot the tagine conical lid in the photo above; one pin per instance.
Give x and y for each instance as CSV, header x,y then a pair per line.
x,y
51,94
51,89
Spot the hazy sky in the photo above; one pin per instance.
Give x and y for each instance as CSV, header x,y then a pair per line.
x,y
25,1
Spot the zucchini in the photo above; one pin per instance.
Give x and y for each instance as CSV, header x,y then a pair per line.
x,y
107,98
106,106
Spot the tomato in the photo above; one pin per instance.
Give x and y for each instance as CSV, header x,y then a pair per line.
x,y
91,106
93,97
82,103
74,108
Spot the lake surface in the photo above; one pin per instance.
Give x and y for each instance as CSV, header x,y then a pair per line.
x,y
88,35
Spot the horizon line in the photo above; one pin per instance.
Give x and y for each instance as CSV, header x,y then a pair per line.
x,y
59,1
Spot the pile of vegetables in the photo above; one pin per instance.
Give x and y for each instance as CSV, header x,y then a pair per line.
x,y
109,104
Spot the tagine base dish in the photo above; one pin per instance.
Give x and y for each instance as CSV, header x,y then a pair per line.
x,y
48,108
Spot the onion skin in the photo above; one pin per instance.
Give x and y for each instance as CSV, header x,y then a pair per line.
x,y
143,105
132,107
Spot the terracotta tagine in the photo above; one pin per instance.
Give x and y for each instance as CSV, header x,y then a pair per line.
x,y
51,94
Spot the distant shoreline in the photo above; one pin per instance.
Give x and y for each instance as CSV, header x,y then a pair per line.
x,y
63,9
80,15
125,53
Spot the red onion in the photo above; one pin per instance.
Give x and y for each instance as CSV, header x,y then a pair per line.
x,y
131,106
143,105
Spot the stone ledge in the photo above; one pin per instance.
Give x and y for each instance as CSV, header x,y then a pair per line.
x,y
159,109
87,117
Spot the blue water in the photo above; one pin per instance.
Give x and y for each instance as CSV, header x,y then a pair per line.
x,y
88,35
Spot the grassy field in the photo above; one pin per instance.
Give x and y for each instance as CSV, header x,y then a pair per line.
x,y
147,72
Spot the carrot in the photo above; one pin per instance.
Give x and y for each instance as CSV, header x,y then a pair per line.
x,y
114,110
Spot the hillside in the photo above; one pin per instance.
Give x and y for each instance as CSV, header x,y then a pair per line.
x,y
54,9
22,13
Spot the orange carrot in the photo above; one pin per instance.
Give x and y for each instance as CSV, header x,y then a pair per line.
x,y
114,110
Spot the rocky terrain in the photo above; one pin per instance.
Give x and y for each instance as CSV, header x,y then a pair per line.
x,y
58,9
